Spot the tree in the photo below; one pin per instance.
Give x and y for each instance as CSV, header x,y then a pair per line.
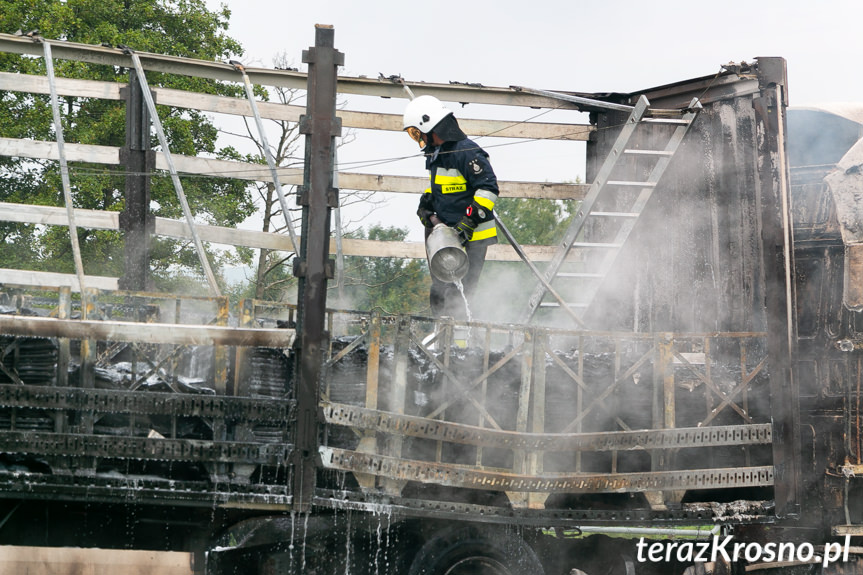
x,y
395,285
532,221
176,27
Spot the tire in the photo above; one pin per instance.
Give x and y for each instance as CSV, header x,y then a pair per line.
x,y
472,550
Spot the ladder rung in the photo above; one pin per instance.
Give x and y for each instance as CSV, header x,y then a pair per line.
x,y
616,214
627,183
595,245
666,121
649,152
664,113
578,275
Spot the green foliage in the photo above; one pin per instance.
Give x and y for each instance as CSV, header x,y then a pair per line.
x,y
395,285
176,27
533,222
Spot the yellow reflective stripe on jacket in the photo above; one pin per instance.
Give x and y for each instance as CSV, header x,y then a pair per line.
x,y
485,198
484,231
450,180
427,191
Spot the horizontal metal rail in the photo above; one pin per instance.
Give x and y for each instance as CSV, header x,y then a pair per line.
x,y
158,449
148,402
690,514
473,478
413,426
145,332
385,88
150,490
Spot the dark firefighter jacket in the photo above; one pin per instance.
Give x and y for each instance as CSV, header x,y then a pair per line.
x,y
460,173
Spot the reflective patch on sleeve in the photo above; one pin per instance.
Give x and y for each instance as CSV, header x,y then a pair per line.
x,y
484,231
485,198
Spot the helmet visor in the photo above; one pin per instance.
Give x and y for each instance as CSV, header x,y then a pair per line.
x,y
415,135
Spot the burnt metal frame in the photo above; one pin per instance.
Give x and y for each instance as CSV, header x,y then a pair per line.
x,y
312,266
136,221
229,459
529,440
778,258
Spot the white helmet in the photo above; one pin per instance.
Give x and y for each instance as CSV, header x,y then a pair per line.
x,y
422,114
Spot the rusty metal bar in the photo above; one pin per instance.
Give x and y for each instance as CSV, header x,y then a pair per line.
x,y
458,476
520,456
144,332
374,355
483,393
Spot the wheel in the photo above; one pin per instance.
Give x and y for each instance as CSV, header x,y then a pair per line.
x,y
470,550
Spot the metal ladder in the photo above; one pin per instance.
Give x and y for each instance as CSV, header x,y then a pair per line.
x,y
601,264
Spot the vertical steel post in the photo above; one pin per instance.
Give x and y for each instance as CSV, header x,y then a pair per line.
x,y
136,221
777,254
312,266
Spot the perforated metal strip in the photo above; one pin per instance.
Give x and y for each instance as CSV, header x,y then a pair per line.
x,y
385,422
455,476
143,448
160,403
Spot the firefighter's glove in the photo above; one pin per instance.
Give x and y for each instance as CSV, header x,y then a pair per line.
x,y
465,229
476,213
425,216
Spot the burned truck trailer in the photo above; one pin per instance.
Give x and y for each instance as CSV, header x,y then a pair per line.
x,y
688,358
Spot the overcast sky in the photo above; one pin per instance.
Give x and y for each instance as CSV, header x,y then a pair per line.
x,y
591,46
574,45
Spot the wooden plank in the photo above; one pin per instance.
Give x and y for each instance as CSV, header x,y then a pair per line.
x,y
51,279
261,173
288,112
54,216
50,215
172,333
65,86
80,561
38,149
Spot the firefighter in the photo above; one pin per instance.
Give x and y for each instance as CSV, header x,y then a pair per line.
x,y
462,193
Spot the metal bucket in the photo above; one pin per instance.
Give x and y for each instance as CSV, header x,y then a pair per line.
x,y
446,256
